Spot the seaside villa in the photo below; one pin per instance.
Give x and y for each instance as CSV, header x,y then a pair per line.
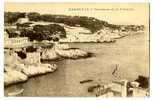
x,y
15,42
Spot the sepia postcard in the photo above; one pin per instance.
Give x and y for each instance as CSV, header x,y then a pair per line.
x,y
76,49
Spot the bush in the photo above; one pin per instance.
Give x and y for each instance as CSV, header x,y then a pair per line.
x,y
144,81
31,49
34,16
28,33
12,33
22,55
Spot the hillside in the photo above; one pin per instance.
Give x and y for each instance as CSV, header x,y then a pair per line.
x,y
53,27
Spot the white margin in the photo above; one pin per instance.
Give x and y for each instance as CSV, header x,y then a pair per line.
x,y
46,98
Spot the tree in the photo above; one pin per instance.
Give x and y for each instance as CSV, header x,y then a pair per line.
x,y
12,33
33,16
12,17
44,32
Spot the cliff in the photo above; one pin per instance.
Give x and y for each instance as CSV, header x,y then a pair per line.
x,y
63,51
17,70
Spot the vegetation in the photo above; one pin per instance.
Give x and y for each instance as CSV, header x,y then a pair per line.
x,y
34,16
12,33
44,32
91,23
31,49
12,17
55,31
22,55
144,81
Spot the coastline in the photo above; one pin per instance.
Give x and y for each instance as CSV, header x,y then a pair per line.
x,y
22,70
58,51
92,58
32,42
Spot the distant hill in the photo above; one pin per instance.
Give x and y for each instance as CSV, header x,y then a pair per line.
x,y
90,23
55,27
12,17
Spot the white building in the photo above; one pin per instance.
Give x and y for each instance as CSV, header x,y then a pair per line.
x,y
16,42
23,20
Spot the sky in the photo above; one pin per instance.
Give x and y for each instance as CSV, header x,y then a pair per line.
x,y
115,13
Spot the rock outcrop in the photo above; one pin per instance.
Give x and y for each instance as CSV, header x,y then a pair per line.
x,y
72,53
13,76
63,51
49,54
20,72
33,70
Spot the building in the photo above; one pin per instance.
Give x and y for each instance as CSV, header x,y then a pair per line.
x,y
15,42
23,20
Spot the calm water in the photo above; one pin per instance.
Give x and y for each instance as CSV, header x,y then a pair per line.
x,y
130,53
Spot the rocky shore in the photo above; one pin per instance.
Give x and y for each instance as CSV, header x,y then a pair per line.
x,y
19,69
21,73
12,77
103,35
73,53
64,51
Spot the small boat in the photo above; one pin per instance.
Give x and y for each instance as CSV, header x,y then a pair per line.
x,y
84,81
16,93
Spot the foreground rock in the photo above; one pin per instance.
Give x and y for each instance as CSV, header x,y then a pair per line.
x,y
18,69
12,77
20,72
33,70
